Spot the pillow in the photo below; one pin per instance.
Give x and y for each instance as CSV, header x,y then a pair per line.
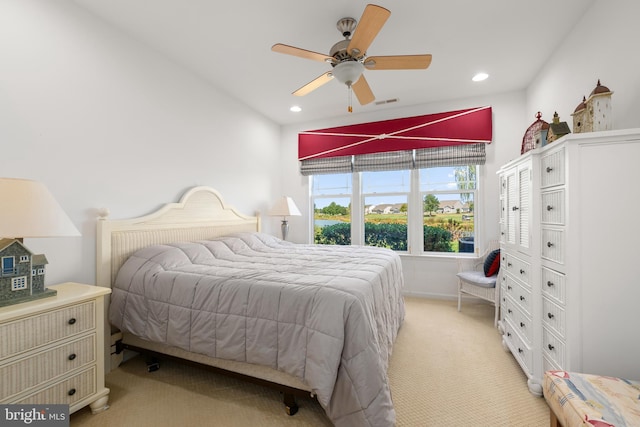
x,y
492,263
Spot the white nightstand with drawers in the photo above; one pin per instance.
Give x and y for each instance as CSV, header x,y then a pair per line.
x,y
52,349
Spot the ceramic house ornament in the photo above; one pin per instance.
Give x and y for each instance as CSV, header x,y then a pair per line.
x,y
595,113
557,129
533,137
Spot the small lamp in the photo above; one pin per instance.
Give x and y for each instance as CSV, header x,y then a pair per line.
x,y
285,207
28,210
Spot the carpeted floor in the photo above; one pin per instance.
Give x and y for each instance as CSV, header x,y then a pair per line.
x,y
448,369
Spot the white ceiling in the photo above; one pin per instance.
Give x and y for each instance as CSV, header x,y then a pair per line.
x,y
229,43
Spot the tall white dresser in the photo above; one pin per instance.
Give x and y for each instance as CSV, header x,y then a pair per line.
x,y
569,231
53,349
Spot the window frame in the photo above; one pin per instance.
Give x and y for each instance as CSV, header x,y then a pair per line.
x,y
414,212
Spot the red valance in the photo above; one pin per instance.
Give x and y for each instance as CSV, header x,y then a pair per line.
x,y
470,126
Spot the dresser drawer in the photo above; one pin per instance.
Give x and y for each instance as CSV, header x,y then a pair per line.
x,y
35,331
66,392
552,204
521,322
32,371
553,348
552,169
520,350
520,294
553,245
553,317
553,285
518,269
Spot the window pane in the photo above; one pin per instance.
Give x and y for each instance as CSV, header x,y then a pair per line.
x,y
386,182
385,221
331,184
448,222
385,208
332,220
448,178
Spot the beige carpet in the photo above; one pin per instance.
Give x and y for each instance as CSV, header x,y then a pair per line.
x,y
447,369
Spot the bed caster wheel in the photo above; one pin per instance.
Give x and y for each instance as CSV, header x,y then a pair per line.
x,y
153,365
291,410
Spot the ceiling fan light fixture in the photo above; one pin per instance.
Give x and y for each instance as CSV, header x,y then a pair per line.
x,y
348,72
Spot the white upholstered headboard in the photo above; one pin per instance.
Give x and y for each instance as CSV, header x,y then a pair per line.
x,y
199,215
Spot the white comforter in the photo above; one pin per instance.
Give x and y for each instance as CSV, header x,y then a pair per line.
x,y
326,314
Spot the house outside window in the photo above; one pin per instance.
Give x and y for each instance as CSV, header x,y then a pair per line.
x,y
430,210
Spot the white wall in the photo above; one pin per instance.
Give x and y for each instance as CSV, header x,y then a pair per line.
x,y
104,122
601,46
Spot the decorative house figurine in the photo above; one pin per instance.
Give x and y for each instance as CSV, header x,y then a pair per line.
x,y
557,129
595,113
533,137
21,274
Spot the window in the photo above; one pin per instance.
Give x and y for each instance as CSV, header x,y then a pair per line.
x,y
416,211
332,208
8,265
19,283
448,195
385,206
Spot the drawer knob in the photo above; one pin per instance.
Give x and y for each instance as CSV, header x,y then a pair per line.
x,y
521,297
522,324
509,264
71,392
550,347
522,271
515,208
550,315
550,283
549,207
508,334
509,310
72,356
549,169
72,321
520,350
549,244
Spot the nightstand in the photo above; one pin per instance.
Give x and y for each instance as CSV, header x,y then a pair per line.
x,y
53,349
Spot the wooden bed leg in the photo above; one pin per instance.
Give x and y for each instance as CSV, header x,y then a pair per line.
x,y
553,420
291,407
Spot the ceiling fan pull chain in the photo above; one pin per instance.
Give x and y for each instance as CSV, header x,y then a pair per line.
x,y
350,108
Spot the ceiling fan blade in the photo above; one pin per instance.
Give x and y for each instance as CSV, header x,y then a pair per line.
x,y
314,84
371,21
398,62
363,91
301,53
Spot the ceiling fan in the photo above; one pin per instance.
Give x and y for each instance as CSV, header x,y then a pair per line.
x,y
348,57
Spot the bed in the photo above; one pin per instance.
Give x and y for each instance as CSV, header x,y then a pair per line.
x,y
198,281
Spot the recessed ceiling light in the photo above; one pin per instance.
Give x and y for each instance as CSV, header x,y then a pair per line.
x,y
480,77
295,109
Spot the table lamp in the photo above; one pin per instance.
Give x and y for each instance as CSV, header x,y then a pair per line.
x,y
285,207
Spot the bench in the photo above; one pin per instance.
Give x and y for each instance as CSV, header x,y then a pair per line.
x,y
577,399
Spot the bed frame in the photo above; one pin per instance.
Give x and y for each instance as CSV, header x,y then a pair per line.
x,y
199,215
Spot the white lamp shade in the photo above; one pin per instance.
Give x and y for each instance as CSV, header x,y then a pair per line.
x,y
29,210
285,206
